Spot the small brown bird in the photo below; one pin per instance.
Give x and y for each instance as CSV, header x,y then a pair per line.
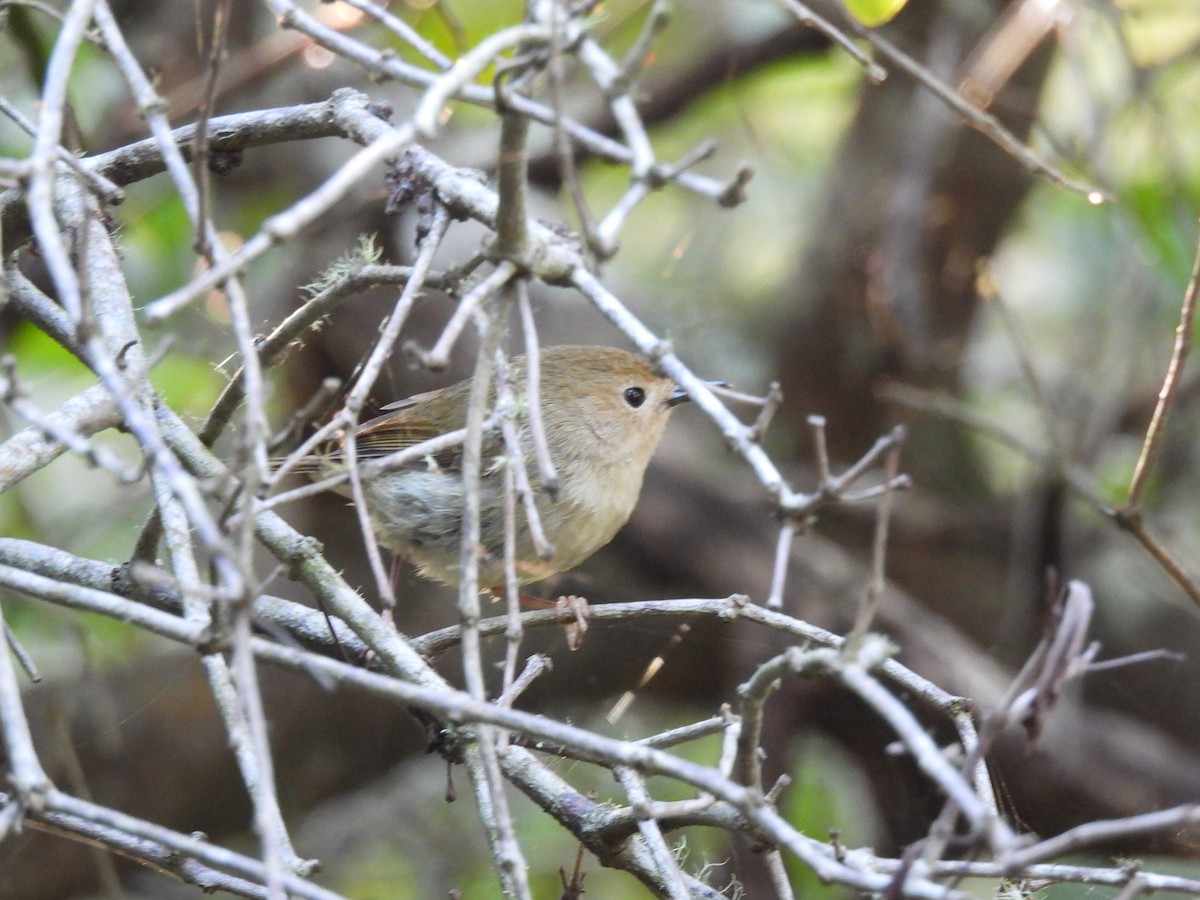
x,y
604,411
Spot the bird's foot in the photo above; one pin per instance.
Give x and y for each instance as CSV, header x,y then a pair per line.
x,y
573,614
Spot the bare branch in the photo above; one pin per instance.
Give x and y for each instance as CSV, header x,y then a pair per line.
x,y
1170,386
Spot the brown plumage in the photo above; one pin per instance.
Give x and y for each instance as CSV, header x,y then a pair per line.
x,y
604,411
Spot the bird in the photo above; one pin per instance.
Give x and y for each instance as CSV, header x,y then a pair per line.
x,y
604,411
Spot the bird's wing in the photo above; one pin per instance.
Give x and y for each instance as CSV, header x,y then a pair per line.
x,y
409,402
394,431
421,417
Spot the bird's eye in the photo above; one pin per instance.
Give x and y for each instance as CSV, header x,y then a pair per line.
x,y
635,396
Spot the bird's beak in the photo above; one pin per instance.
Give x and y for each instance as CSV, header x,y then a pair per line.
x,y
681,396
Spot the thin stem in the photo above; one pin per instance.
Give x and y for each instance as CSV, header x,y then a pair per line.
x,y
805,15
877,583
639,801
512,184
547,474
28,777
783,552
1170,386
982,121
439,356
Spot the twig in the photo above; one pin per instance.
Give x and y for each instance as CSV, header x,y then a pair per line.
x,y
192,633
753,694
652,668
483,766
536,666
39,196
512,188
467,68
110,193
779,874
1090,875
876,583
602,831
735,606
807,16
1091,833
284,336
472,471
216,53
692,732
405,31
1134,523
564,151
189,856
253,436
506,404
283,226
977,118
154,590
737,434
927,755
392,461
1170,386
610,226
387,66
253,758
770,406
1079,481
305,562
547,474
52,434
783,552
515,632
461,706
369,374
639,800
21,655
636,57
438,357
820,450
27,300
1135,659
26,774
316,407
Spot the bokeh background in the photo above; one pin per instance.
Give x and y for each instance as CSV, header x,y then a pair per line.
x,y
883,246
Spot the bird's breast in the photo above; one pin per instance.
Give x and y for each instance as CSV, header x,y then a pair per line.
x,y
592,506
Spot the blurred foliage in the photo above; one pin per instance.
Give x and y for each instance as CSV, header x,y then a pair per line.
x,y
875,12
155,240
828,795
1095,291
48,371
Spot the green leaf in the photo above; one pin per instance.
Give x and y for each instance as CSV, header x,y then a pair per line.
x,y
189,384
874,12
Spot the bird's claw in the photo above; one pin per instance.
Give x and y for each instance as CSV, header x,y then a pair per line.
x,y
573,613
